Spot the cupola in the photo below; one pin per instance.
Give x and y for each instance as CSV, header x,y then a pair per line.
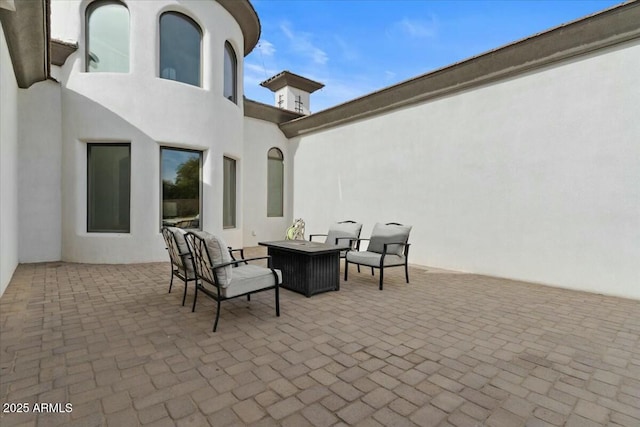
x,y
292,91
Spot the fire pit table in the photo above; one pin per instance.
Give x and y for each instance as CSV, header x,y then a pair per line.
x,y
307,267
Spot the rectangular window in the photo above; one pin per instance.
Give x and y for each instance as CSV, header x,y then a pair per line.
x,y
181,174
108,188
275,183
229,194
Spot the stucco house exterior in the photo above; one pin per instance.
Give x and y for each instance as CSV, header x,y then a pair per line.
x,y
523,162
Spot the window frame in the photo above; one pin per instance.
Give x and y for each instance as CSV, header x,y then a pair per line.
x,y
197,26
90,9
200,182
89,186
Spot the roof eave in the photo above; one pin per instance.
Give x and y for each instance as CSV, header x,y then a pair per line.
x,y
246,16
287,78
260,111
27,33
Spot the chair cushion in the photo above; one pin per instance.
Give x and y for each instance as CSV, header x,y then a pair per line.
x,y
249,278
179,234
346,229
383,233
373,258
219,253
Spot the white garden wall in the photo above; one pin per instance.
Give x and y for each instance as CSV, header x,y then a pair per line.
x,y
8,166
534,177
39,175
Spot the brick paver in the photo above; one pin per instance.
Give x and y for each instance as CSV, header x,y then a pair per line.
x,y
101,345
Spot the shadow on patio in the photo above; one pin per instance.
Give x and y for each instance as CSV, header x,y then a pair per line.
x,y
448,349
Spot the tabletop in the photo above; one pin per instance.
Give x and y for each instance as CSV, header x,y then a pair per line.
x,y
304,246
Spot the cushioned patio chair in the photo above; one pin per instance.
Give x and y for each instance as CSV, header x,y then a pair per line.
x,y
388,247
220,281
342,233
180,257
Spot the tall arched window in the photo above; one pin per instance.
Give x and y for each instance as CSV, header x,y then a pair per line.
x,y
107,43
230,73
275,183
180,48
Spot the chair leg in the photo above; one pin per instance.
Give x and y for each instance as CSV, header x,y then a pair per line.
x,y
215,325
277,301
171,282
406,272
358,268
184,294
346,269
381,276
248,297
195,298
372,271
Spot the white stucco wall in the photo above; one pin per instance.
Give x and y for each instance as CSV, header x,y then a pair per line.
x,y
290,96
8,166
39,175
533,178
260,137
149,112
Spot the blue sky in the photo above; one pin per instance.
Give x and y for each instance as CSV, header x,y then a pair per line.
x,y
356,47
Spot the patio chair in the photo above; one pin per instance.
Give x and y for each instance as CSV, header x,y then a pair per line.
x,y
388,247
220,281
180,257
342,233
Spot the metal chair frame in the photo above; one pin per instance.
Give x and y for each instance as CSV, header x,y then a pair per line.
x,y
351,240
206,272
406,246
179,261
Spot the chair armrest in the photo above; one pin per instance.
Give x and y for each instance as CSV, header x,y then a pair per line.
x,y
358,242
405,244
350,239
231,250
241,250
224,264
311,236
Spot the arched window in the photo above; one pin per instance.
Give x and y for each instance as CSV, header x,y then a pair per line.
x,y
180,48
107,43
230,73
275,183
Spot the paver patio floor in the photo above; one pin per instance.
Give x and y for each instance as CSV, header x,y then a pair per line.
x,y
447,349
